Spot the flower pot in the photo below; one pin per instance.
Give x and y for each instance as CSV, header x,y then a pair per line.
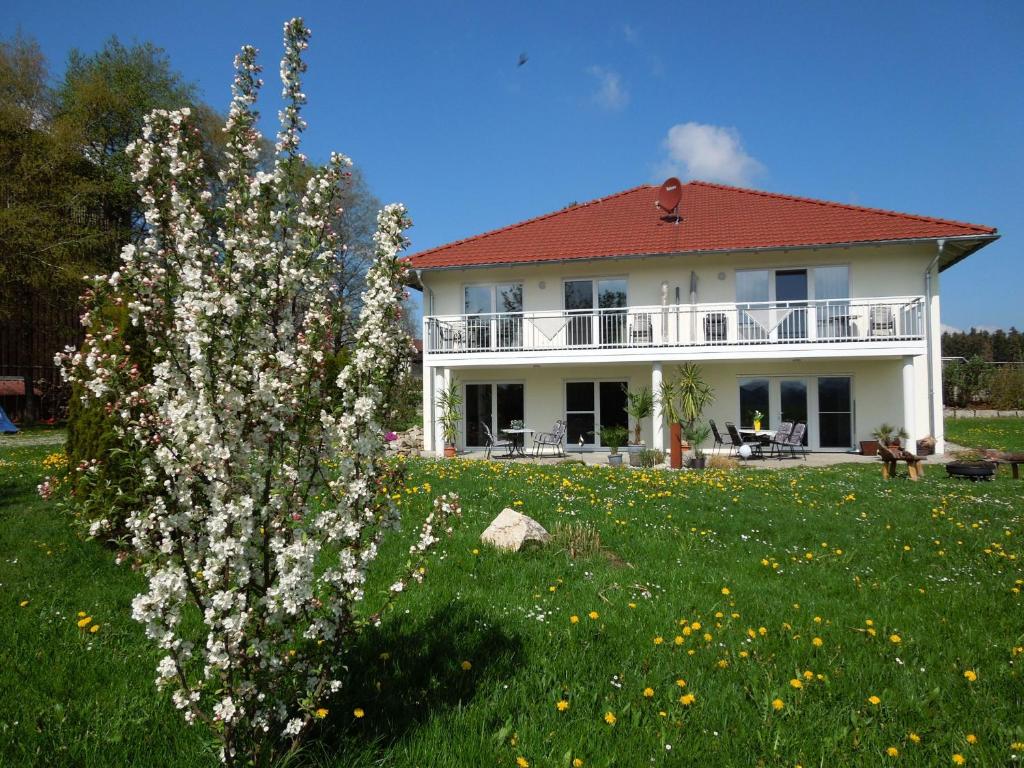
x,y
675,460
869,447
615,459
449,451
698,462
634,451
757,425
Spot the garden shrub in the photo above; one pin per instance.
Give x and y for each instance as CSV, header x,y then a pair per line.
x,y
1006,387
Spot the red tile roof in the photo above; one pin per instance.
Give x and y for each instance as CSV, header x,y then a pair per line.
x,y
715,217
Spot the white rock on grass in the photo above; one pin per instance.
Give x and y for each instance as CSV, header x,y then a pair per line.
x,y
512,530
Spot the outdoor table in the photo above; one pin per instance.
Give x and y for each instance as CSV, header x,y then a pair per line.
x,y
764,436
518,441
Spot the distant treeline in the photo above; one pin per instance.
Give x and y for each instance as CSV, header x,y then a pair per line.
x,y
991,346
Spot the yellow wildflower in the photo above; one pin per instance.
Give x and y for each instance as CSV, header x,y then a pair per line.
x,y
609,717
562,705
778,704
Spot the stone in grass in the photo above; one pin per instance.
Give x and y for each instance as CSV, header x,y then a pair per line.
x,y
513,531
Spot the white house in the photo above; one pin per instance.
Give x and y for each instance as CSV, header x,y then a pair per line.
x,y
799,308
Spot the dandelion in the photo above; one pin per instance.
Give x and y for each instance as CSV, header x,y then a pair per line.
x,y
609,717
577,762
687,699
874,700
972,739
648,693
659,640
796,683
895,639
678,640
574,619
914,737
892,752
94,628
958,759
593,615
971,675
522,762
681,683
23,603
321,713
778,704
817,642
561,705
466,666
83,623
725,591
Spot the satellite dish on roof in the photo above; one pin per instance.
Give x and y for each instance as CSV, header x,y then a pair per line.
x,y
669,195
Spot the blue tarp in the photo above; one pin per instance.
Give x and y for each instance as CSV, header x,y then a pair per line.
x,y
6,425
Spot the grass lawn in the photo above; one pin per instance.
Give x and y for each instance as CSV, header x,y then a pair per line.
x,y
815,589
1004,434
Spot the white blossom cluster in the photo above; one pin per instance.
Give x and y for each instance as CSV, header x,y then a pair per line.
x,y
267,500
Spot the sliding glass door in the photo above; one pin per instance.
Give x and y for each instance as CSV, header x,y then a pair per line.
x,y
581,297
493,405
835,412
493,315
823,403
590,405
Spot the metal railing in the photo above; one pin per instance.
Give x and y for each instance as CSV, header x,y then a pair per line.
x,y
828,321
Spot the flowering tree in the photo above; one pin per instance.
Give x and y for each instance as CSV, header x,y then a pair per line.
x,y
264,495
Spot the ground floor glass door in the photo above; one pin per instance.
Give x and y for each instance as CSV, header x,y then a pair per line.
x,y
835,412
824,403
496,405
793,402
590,405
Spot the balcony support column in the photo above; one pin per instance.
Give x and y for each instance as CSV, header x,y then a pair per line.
x,y
657,413
442,376
909,403
428,407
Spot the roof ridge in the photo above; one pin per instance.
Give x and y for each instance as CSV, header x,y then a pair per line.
x,y
541,217
848,206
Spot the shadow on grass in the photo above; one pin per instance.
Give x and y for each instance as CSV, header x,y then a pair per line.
x,y
406,672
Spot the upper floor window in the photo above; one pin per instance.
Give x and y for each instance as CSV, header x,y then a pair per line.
x,y
486,299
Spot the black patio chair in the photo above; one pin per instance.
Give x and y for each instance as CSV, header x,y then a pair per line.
x,y
738,442
778,441
490,442
719,442
554,438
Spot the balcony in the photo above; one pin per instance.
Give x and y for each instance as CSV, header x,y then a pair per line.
x,y
895,322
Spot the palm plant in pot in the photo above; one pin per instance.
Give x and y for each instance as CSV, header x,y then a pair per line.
x,y
694,394
890,436
639,405
697,434
613,437
449,403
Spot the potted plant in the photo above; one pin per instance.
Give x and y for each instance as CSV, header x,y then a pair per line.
x,y
694,395
696,435
613,437
890,436
972,465
869,447
756,417
449,402
639,405
667,394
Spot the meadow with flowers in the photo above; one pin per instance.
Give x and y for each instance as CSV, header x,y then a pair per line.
x,y
799,617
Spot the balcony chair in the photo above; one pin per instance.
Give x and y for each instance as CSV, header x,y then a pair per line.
x,y
796,441
882,322
641,333
453,335
778,441
716,327
719,442
738,442
554,438
490,442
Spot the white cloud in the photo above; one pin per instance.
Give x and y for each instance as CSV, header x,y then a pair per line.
x,y
611,94
950,329
631,33
708,152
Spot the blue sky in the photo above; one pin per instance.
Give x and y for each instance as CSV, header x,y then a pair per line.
x,y
913,106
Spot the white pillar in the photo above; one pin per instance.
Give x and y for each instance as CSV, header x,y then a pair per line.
x,y
658,413
909,401
428,407
440,382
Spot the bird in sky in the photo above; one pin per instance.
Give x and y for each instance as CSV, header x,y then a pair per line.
x,y
523,58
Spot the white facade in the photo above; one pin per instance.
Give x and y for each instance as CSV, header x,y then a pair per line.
x,y
843,337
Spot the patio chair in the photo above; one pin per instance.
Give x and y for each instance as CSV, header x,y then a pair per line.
x,y
719,442
738,442
796,440
554,438
778,441
490,442
641,333
883,323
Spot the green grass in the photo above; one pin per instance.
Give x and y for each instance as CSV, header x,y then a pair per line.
x,y
1004,434
934,562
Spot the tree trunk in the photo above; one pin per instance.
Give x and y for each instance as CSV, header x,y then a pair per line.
x,y
676,446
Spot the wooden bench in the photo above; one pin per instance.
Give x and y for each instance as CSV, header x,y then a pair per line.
x,y
892,456
1014,460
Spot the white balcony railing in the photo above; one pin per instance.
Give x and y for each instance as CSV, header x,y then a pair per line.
x,y
832,321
